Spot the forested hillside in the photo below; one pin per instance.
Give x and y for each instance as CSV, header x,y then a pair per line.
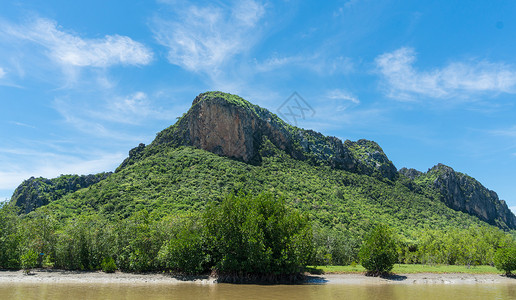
x,y
224,146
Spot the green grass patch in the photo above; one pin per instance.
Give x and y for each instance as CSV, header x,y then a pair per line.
x,y
412,269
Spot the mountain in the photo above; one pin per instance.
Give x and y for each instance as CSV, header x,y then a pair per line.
x,y
37,192
230,126
225,144
463,193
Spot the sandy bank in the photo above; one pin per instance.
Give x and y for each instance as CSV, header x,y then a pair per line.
x,y
56,276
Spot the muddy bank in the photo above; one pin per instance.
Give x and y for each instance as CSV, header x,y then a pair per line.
x,y
61,276
56,276
421,278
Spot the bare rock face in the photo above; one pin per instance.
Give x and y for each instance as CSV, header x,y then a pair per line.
x,y
410,173
230,126
464,193
225,129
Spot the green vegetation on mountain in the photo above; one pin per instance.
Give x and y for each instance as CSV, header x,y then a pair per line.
x,y
37,192
151,214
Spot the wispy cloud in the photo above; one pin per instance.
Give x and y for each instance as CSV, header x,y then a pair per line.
x,y
342,95
457,79
513,209
342,100
201,38
2,73
51,165
72,50
317,63
101,118
132,109
22,124
507,132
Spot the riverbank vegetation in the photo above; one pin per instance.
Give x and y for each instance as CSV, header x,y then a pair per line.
x,y
242,236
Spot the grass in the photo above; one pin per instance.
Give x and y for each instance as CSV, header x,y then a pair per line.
x,y
409,269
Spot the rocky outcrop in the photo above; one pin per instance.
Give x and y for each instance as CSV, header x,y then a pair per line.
x,y
134,154
371,159
230,126
410,173
463,193
37,192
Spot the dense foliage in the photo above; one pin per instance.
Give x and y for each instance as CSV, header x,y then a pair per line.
x,y
241,235
182,180
167,208
378,252
505,259
37,192
257,235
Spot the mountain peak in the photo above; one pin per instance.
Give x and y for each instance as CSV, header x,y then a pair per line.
x,y
464,193
231,126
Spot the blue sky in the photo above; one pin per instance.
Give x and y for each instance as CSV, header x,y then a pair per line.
x,y
431,82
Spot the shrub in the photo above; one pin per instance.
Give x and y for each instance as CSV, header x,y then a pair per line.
x,y
505,259
378,253
29,260
184,252
257,235
108,265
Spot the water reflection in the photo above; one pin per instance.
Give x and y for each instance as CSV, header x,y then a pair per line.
x,y
228,291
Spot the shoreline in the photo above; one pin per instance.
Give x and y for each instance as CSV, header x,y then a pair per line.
x,y
84,277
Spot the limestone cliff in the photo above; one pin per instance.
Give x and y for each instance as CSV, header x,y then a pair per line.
x,y
463,193
230,126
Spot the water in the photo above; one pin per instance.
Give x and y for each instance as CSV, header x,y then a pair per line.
x,y
227,291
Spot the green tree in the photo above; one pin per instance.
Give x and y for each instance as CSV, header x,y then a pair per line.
x,y
9,237
29,260
257,235
184,252
505,259
108,265
378,253
38,233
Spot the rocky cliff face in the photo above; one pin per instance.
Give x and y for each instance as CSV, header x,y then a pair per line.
x,y
230,126
463,193
37,192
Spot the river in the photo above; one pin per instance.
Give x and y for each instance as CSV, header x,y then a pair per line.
x,y
191,291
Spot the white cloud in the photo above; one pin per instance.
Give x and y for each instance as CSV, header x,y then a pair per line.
x,y
340,100
110,116
513,209
50,165
508,132
203,38
2,73
318,63
132,109
457,79
22,124
71,50
342,95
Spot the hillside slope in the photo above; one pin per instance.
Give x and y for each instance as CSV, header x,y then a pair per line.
x,y
224,144
37,192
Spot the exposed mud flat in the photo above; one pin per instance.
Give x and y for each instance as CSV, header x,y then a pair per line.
x,y
57,276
